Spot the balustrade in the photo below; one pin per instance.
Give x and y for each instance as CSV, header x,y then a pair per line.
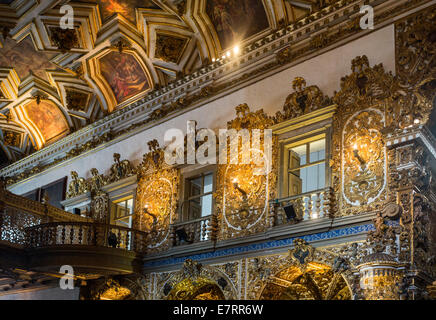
x,y
191,231
86,234
302,207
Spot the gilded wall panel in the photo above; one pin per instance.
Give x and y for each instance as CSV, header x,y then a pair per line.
x,y
245,187
156,198
367,110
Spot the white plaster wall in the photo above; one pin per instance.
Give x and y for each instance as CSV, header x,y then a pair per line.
x,y
325,71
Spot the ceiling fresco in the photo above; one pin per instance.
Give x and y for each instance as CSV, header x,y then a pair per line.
x,y
47,118
236,20
126,8
95,72
124,75
23,57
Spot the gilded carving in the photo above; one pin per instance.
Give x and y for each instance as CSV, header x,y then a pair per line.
x,y
120,169
77,185
244,189
156,197
11,138
303,100
416,51
197,282
123,287
364,158
77,100
169,48
64,39
96,182
305,273
100,207
359,161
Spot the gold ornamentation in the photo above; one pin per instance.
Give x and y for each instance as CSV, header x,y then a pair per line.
x,y
301,254
121,44
380,277
311,274
96,182
416,48
303,100
39,96
197,282
77,186
100,207
77,100
11,138
364,158
366,108
242,198
130,287
120,169
156,197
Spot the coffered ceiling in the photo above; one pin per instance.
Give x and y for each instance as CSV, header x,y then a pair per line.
x,y
54,81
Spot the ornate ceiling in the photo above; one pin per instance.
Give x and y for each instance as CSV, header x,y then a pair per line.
x,y
54,81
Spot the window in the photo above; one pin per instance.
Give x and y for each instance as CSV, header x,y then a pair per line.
x,y
55,191
306,166
122,212
198,199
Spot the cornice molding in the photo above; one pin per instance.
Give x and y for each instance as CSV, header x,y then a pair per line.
x,y
216,79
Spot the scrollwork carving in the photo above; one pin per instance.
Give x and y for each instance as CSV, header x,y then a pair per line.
x,y
244,188
156,197
120,169
77,186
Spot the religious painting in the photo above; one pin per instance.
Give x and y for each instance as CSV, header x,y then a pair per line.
x,y
47,117
236,20
24,58
124,75
127,8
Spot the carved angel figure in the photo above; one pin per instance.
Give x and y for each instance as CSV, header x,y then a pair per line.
x,y
96,182
77,185
120,169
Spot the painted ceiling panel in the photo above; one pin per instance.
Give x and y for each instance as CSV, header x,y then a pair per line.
x,y
47,117
127,8
24,58
236,20
124,75
110,63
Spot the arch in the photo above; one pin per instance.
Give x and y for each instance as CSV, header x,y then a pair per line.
x,y
317,282
197,282
199,289
121,287
330,272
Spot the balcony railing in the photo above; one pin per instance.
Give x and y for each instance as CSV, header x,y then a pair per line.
x,y
86,234
18,213
302,207
191,231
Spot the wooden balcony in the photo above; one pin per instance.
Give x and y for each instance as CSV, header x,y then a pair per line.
x,y
41,237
